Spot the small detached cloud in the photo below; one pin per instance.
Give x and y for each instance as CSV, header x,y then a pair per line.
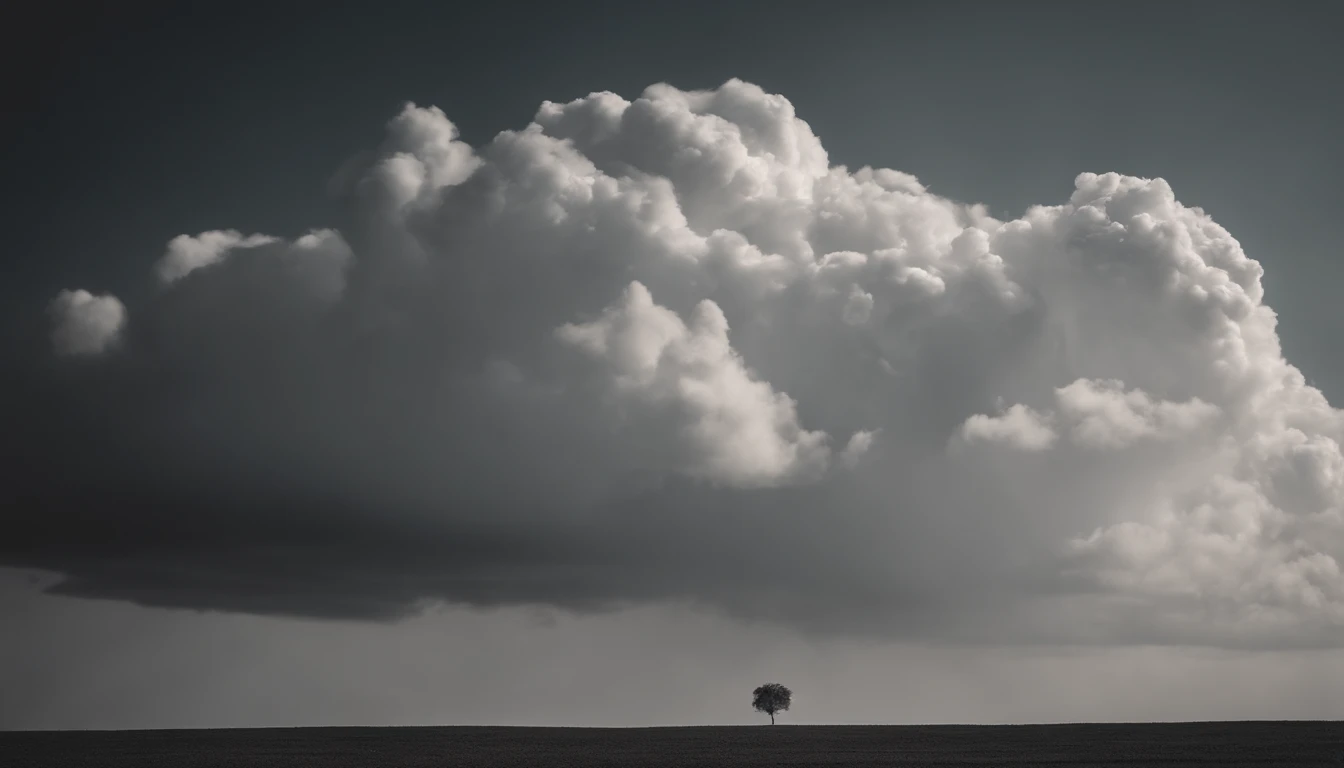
x,y
859,444
84,324
187,254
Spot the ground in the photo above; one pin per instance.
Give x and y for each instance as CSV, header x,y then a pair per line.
x,y
1227,745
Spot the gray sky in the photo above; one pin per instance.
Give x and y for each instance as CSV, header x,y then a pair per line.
x,y
335,409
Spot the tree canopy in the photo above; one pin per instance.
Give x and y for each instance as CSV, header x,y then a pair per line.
x,y
771,698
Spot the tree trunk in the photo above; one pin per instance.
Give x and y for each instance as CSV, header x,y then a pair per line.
x,y
772,718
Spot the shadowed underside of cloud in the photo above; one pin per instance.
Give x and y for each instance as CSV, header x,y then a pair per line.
x,y
661,349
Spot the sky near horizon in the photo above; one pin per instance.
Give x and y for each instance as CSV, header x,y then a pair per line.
x,y
946,363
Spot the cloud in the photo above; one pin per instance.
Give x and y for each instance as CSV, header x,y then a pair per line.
x,y
1104,415
85,324
1098,414
1018,426
859,444
733,428
186,253
661,349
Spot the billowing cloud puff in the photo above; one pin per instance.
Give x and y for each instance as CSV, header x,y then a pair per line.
x,y
662,349
1019,426
858,445
187,253
1103,415
1098,414
735,429
85,324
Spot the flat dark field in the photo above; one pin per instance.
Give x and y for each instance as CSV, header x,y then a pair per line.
x,y
1280,744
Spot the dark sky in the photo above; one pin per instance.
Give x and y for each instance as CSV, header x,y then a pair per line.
x,y
296,444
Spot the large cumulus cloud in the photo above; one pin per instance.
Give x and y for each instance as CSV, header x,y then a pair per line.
x,y
662,349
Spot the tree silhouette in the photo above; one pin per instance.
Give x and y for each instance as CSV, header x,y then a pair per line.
x,y
771,698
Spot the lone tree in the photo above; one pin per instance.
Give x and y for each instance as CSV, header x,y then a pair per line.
x,y
771,698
